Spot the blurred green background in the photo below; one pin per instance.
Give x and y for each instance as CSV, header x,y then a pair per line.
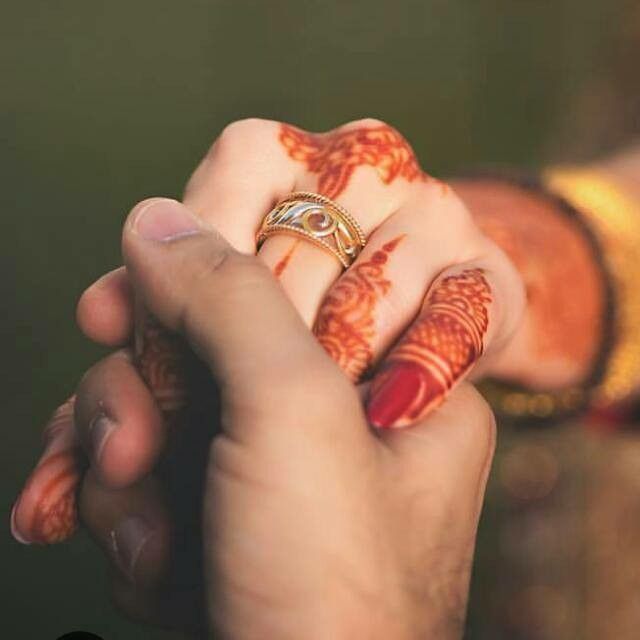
x,y
105,103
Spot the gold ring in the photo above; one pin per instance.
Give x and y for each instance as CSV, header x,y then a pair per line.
x,y
319,220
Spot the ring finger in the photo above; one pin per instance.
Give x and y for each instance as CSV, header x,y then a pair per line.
x,y
365,167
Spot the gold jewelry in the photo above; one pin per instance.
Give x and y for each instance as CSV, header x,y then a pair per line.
x,y
613,220
319,220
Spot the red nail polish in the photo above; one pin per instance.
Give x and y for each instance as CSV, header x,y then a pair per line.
x,y
401,395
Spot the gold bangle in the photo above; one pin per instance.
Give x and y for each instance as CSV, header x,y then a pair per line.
x,y
614,218
611,220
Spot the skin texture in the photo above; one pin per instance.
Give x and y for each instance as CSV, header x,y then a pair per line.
x,y
435,353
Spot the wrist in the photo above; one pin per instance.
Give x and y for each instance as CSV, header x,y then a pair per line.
x,y
613,215
561,332
602,202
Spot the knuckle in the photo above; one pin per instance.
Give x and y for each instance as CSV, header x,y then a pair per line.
x,y
366,123
439,204
304,390
241,144
457,213
239,133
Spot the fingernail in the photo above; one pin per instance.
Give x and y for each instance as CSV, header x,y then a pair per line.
x,y
15,531
401,395
100,431
164,220
128,540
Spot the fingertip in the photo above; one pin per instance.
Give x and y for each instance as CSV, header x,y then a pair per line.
x,y
118,422
45,511
104,311
400,395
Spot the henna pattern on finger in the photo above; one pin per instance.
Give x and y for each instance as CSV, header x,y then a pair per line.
x,y
161,362
48,514
55,518
345,326
283,263
439,348
336,155
51,511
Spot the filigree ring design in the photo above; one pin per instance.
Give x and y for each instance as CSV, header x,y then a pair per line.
x,y
319,220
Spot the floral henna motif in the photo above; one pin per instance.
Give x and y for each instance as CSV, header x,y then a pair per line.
x,y
336,155
346,322
161,362
48,514
435,353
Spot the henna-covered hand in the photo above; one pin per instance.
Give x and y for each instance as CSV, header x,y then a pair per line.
x,y
296,458
336,155
424,252
443,343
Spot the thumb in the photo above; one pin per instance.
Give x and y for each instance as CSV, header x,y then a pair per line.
x,y
227,304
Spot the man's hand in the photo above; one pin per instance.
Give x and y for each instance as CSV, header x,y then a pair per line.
x,y
429,302
315,526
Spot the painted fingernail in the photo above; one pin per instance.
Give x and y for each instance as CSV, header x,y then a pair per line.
x,y
401,395
100,430
164,220
15,531
128,541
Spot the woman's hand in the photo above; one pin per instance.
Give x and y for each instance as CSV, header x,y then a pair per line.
x,y
429,301
314,525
